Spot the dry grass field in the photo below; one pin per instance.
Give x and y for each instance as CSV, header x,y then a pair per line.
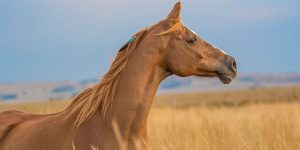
x,y
262,119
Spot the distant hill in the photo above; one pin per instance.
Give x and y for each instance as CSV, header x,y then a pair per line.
x,y
67,89
243,81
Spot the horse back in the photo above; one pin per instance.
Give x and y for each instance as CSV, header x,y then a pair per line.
x,y
11,119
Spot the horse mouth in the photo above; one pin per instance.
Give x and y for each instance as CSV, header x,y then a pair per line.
x,y
226,79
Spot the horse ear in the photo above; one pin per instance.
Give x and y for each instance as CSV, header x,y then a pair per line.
x,y
175,14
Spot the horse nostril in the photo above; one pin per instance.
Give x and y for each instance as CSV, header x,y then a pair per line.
x,y
233,65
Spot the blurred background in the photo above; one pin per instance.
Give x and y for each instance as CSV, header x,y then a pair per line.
x,y
52,49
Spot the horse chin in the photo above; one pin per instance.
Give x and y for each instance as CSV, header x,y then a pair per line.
x,y
226,79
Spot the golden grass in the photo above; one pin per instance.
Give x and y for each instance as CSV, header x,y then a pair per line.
x,y
262,119
36,107
231,98
262,127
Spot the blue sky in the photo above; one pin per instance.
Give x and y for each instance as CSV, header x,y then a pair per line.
x,y
74,40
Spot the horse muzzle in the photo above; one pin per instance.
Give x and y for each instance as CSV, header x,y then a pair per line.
x,y
229,71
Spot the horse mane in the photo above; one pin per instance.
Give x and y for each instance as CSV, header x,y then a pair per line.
x,y
100,96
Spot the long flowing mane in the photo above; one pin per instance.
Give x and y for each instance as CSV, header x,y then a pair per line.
x,y
101,95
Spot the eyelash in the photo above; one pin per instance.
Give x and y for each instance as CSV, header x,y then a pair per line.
x,y
192,41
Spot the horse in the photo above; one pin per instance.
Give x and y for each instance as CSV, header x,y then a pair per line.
x,y
112,114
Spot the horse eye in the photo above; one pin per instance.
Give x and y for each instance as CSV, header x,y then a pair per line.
x,y
192,40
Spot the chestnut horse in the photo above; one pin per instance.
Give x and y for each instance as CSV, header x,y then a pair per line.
x,y
113,113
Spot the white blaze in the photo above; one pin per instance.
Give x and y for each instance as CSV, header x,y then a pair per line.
x,y
219,49
193,31
212,45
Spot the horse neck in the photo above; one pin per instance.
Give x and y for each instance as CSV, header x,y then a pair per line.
x,y
135,93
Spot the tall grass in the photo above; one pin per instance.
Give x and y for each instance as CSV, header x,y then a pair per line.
x,y
264,119
262,127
